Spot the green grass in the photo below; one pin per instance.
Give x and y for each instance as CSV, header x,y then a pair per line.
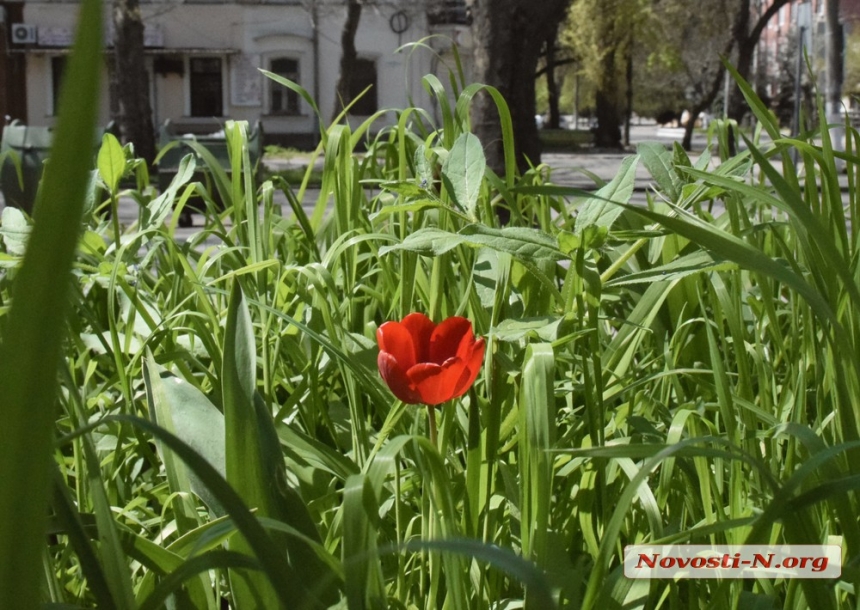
x,y
565,139
202,422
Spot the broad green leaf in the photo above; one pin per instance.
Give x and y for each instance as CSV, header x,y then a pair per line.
x,y
15,231
600,209
34,328
197,567
111,162
523,243
415,206
526,244
157,210
428,241
463,172
255,467
179,407
246,469
547,328
659,163
163,561
313,452
423,170
405,188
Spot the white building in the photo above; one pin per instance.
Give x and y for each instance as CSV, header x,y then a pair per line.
x,y
202,57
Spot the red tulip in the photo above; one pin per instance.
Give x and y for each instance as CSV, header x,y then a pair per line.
x,y
425,363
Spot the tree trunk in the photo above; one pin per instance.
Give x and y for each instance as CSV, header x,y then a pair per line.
x,y
132,82
508,35
704,103
628,93
833,94
348,58
608,132
554,119
747,41
607,100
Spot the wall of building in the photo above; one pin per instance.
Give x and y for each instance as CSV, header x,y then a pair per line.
x,y
243,37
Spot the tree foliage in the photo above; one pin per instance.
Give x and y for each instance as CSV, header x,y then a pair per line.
x,y
676,46
602,34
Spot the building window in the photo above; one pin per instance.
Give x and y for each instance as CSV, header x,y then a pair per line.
x,y
206,86
284,100
363,75
58,68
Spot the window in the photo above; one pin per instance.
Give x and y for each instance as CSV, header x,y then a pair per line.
x,y
284,100
58,68
207,87
363,75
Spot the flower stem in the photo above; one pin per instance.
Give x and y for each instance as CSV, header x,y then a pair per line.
x,y
431,413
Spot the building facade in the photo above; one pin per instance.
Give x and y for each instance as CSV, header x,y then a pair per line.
x,y
203,59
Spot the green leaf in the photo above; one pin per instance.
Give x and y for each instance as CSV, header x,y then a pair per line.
x,y
157,210
428,242
545,328
523,243
536,438
15,231
659,163
364,582
34,328
179,407
423,170
600,209
538,589
526,244
404,187
697,262
730,247
255,468
111,162
463,172
267,551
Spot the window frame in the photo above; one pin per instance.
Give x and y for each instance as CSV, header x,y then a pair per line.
x,y
55,82
273,86
188,88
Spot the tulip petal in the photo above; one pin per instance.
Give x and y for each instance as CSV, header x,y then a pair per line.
x,y
473,366
395,339
420,328
435,383
448,337
395,376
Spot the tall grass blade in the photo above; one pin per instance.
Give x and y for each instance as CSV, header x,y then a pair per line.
x,y
34,329
255,467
